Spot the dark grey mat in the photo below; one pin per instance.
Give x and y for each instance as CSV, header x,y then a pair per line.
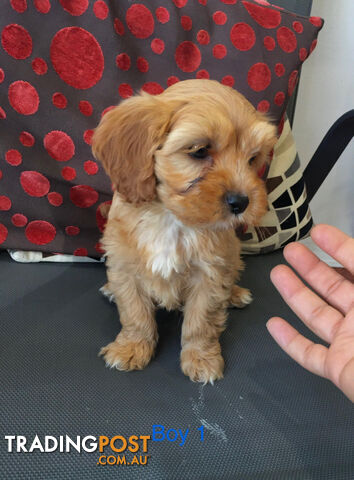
x,y
268,418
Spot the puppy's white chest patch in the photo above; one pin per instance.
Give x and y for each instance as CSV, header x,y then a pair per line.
x,y
168,241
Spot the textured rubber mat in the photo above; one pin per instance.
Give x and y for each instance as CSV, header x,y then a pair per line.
x,y
267,419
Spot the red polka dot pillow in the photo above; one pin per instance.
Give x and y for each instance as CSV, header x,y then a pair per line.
x,y
64,63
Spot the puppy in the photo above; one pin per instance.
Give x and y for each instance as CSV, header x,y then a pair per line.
x,y
183,165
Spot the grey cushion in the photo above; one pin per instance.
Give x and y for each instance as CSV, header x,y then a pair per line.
x,y
267,419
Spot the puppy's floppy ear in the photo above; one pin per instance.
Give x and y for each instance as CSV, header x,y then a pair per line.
x,y
265,133
125,142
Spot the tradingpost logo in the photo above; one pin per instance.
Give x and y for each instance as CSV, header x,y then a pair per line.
x,y
115,450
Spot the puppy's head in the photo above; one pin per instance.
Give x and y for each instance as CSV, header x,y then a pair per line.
x,y
196,148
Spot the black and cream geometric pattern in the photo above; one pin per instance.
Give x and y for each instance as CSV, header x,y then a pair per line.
x,y
288,218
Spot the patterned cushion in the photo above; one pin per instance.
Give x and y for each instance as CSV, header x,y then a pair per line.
x,y
62,64
288,218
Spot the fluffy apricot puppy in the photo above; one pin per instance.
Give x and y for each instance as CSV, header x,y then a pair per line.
x,y
184,167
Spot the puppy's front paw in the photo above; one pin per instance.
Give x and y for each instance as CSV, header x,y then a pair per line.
x,y
240,297
127,355
202,366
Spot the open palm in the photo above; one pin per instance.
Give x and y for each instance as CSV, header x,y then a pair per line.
x,y
330,315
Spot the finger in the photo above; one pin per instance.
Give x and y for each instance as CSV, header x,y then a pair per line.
x,y
320,317
336,243
306,353
332,286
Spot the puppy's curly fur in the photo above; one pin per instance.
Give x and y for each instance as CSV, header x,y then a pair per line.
x,y
169,239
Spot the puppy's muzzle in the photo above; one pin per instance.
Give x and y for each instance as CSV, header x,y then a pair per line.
x,y
236,202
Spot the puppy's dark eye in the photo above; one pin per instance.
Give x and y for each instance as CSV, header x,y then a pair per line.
x,y
252,159
201,153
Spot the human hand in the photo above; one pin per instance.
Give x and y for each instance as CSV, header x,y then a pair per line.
x,y
330,317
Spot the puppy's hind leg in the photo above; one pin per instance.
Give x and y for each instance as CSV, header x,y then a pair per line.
x,y
135,344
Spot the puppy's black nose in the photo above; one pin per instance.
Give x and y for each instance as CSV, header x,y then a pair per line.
x,y
236,202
